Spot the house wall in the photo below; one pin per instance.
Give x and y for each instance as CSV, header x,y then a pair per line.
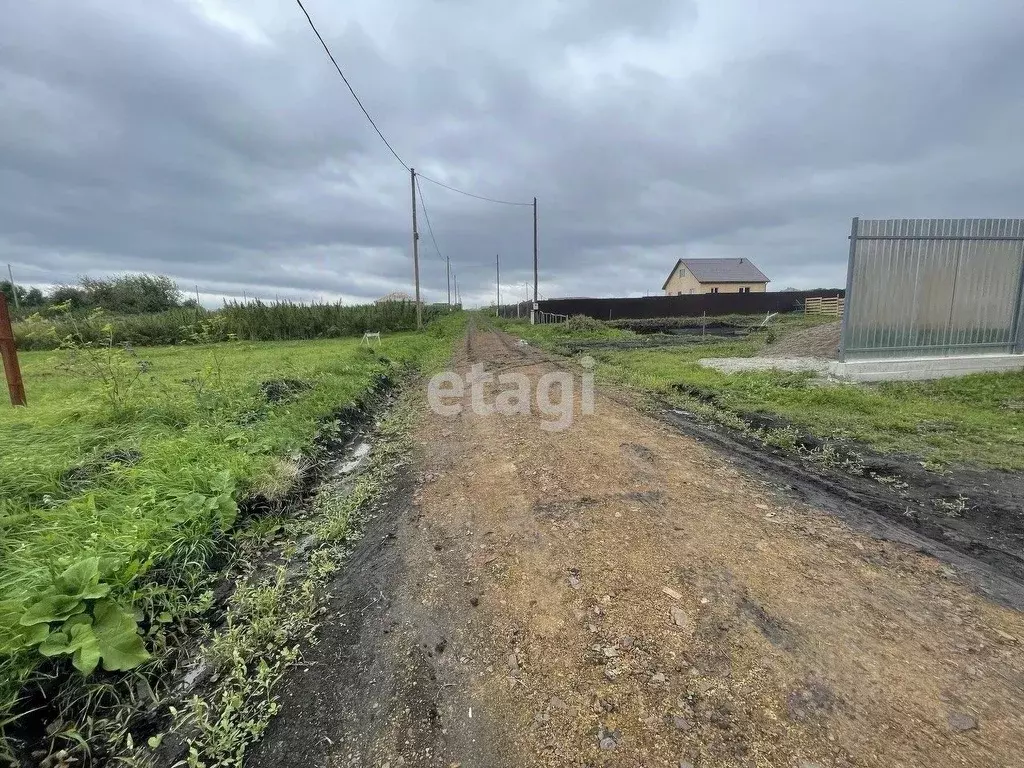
x,y
734,287
686,284
682,281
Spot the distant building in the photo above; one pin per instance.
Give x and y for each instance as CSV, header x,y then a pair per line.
x,y
714,276
394,296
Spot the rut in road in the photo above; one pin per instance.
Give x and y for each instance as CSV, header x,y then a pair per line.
x,y
618,594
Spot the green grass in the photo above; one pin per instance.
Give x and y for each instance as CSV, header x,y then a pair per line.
x,y
554,333
789,320
252,321
975,420
148,482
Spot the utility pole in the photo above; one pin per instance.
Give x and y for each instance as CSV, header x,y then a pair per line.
x,y
14,288
457,302
416,252
497,284
448,275
533,311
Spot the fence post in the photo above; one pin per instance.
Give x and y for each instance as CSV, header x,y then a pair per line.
x,y
843,336
1018,320
9,353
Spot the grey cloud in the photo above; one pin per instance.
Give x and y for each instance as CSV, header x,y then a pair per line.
x,y
149,137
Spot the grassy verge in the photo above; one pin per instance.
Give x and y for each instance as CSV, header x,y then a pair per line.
x,y
274,613
789,321
235,321
975,420
120,488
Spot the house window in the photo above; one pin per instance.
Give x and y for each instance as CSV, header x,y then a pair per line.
x,y
714,290
745,289
682,272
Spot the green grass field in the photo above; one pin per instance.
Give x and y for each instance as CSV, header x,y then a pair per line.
x,y
976,420
120,482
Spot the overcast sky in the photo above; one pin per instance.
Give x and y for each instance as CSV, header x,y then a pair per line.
x,y
211,140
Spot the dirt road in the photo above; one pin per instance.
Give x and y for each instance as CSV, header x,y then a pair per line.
x,y
619,594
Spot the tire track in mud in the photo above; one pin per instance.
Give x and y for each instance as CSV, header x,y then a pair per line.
x,y
980,557
619,594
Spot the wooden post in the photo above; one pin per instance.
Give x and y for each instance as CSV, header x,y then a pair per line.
x,y
9,353
497,284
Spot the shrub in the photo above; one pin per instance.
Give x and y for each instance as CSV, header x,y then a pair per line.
x,y
583,323
131,294
253,321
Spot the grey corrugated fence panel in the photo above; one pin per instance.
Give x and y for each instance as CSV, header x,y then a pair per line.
x,y
934,287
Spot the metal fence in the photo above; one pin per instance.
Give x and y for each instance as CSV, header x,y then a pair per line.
x,y
934,287
689,305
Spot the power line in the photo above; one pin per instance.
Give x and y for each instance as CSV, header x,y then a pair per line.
x,y
430,229
470,194
447,261
350,89
417,187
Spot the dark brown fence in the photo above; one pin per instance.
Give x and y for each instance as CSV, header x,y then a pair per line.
x,y
690,305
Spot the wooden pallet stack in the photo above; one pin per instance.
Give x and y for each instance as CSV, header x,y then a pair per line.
x,y
819,305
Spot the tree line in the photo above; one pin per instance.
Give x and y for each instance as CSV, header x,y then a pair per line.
x,y
120,294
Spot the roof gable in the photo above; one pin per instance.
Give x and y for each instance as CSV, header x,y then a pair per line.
x,y
740,270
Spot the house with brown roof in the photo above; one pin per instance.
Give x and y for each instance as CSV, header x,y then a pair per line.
x,y
715,276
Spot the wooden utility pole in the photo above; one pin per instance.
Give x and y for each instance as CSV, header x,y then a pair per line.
x,y
9,353
448,276
533,310
497,284
14,288
416,252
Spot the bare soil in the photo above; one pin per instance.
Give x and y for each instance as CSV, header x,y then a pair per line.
x,y
621,594
976,512
819,341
